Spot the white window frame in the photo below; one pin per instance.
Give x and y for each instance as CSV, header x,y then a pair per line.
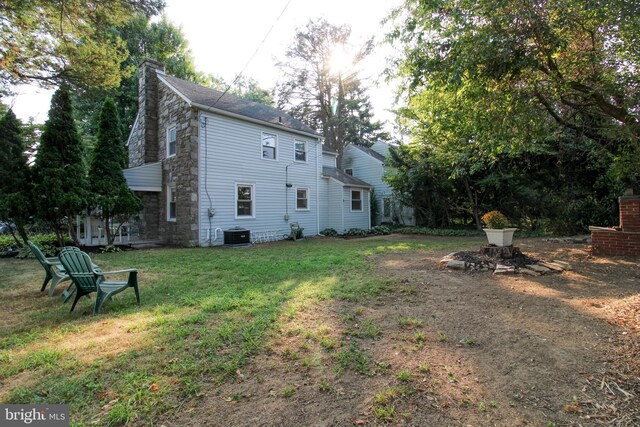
x,y
253,200
171,198
306,189
347,171
275,154
361,200
295,152
175,141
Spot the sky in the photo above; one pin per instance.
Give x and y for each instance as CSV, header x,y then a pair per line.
x,y
224,35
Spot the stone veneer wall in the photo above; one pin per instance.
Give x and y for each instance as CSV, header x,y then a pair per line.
x,y
179,171
143,146
149,226
624,240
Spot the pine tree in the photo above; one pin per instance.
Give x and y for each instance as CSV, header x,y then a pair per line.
x,y
15,183
108,186
61,188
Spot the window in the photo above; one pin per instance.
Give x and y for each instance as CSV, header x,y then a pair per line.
x,y
171,141
386,207
300,148
269,144
302,199
356,200
244,201
349,171
171,204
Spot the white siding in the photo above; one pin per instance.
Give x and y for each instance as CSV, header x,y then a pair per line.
x,y
144,178
332,205
366,168
356,219
372,170
231,153
329,160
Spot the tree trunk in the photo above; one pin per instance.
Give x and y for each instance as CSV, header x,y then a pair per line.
x,y
474,204
13,234
22,232
107,230
72,232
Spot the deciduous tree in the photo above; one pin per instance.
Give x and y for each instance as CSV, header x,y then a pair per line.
x,y
48,42
330,100
516,67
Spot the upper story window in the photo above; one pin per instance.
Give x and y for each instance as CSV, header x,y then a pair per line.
x,y
302,199
356,200
269,146
300,148
171,141
349,171
244,201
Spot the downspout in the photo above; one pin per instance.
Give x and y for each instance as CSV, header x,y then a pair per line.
x,y
318,157
342,187
210,211
369,216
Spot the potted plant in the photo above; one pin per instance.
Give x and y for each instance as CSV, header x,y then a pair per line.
x,y
498,231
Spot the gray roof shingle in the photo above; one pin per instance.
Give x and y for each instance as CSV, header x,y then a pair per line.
x,y
343,177
207,97
370,152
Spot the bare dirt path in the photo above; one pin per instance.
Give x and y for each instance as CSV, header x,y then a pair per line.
x,y
450,348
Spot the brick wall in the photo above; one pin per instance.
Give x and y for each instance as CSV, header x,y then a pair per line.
x,y
630,213
625,240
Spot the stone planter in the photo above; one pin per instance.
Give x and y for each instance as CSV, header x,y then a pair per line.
x,y
500,237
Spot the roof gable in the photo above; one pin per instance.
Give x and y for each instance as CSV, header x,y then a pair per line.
x,y
204,97
344,178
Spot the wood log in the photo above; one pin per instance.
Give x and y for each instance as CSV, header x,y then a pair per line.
x,y
500,251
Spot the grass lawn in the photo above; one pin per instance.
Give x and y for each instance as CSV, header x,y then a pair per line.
x,y
204,314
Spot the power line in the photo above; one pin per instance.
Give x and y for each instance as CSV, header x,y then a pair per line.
x,y
254,53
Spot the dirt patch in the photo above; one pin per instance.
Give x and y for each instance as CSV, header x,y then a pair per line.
x,y
450,348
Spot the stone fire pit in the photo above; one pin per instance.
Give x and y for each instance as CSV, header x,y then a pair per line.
x,y
514,263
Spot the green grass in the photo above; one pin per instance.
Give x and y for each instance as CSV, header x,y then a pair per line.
x,y
205,313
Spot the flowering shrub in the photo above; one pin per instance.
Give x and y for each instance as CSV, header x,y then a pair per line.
x,y
495,219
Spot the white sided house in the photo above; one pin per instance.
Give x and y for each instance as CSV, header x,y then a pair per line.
x,y
344,199
205,163
368,164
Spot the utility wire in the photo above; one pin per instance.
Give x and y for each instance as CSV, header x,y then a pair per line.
x,y
254,54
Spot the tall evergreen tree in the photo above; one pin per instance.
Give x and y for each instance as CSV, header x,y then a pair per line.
x,y
327,98
61,186
108,186
15,182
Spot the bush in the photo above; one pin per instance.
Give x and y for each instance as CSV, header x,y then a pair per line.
x,y
380,230
7,243
48,244
329,232
495,219
577,215
356,232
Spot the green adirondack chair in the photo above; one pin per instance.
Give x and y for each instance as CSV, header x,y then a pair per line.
x,y
53,269
87,279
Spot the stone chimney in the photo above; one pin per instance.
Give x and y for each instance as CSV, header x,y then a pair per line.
x,y
148,108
